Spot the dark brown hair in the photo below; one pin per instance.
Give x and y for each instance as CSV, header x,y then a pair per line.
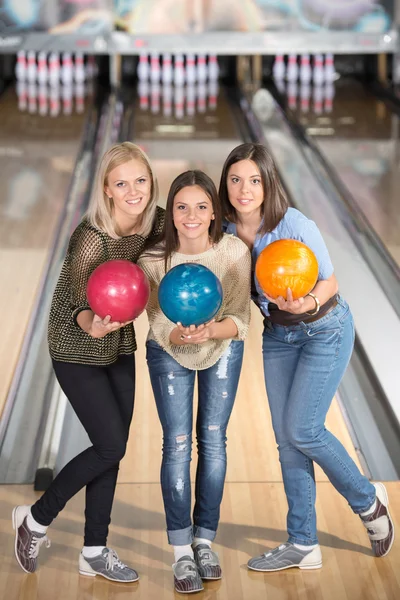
x,y
168,242
275,202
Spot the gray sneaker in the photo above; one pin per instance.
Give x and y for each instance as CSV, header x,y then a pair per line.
x,y
186,576
108,565
287,556
27,542
207,562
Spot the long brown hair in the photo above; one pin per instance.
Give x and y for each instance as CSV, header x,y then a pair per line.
x,y
275,202
168,242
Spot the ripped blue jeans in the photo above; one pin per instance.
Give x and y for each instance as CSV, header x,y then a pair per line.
x,y
173,387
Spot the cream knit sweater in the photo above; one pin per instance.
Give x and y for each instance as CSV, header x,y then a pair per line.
x,y
230,261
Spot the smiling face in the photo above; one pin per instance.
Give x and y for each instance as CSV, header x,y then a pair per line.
x,y
192,213
129,186
245,187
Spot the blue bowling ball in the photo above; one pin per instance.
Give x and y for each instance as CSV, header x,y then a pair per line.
x,y
190,294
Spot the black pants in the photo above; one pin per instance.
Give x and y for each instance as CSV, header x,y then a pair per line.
x,y
103,399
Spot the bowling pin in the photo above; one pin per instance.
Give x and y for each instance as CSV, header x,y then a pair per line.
x,y
67,69
55,100
79,97
305,94
42,96
166,72
79,68
155,97
21,66
155,71
329,94
213,67
280,84
190,69
54,69
42,71
22,93
201,97
305,69
66,93
179,71
329,71
179,97
292,91
190,99
32,97
143,69
279,69
318,70
31,68
292,72
212,94
318,97
143,89
201,68
167,100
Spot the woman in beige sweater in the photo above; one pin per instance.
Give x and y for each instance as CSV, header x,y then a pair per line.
x,y
174,354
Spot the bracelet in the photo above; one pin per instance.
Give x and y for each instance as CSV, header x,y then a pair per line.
x,y
317,305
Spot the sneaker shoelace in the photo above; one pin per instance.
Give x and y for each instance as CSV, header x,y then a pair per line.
x,y
36,543
187,569
207,557
113,560
190,569
275,551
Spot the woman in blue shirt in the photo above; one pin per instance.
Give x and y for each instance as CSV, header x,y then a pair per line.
x,y
307,344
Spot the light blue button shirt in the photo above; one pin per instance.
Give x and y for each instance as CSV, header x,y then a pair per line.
x,y
294,226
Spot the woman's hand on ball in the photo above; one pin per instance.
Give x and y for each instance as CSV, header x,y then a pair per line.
x,y
101,327
289,305
195,335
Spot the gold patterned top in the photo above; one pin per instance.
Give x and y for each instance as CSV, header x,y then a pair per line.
x,y
88,248
230,261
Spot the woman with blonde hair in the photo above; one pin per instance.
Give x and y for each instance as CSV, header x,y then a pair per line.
x,y
93,359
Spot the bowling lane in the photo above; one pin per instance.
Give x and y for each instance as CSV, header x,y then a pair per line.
x,y
185,132
37,158
358,135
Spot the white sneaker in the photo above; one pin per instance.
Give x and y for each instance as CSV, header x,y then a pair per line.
x,y
287,556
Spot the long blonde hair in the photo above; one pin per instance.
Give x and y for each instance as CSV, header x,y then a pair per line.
x,y
100,212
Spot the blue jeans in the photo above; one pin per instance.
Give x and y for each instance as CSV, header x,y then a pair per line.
x,y
173,387
303,366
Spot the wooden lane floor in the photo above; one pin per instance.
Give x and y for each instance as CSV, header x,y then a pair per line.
x,y
37,157
252,520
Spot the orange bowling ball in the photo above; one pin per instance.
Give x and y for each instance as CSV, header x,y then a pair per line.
x,y
287,264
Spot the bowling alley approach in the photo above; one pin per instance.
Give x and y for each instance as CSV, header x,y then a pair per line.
x,y
200,290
